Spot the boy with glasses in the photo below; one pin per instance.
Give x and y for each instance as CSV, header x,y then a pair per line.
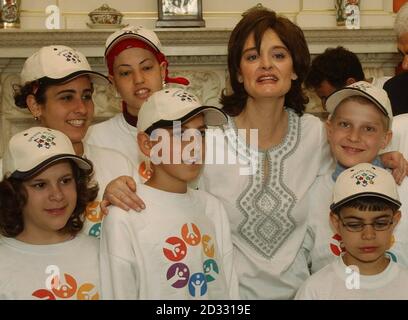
x,y
364,212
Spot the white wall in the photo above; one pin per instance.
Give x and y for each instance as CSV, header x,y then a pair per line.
x,y
223,14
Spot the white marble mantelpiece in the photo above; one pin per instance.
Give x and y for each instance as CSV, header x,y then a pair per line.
x,y
196,53
185,41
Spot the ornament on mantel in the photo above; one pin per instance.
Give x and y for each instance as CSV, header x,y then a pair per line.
x,y
105,17
348,13
10,13
352,14
340,15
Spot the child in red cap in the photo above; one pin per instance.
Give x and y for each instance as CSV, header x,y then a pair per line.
x,y
137,68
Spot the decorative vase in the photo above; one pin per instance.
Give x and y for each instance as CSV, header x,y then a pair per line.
x,y
340,12
10,13
105,15
348,13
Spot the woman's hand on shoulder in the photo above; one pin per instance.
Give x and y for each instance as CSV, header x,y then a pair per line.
x,y
397,163
121,192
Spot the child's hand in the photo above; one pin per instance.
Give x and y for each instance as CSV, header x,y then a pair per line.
x,y
121,192
397,163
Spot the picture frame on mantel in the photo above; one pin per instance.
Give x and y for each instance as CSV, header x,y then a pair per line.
x,y
180,14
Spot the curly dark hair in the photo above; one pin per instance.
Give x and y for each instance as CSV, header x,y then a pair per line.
x,y
257,21
36,88
335,65
13,198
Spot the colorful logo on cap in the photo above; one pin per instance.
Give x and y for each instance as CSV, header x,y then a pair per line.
x,y
44,140
363,86
69,55
184,96
134,30
180,275
363,178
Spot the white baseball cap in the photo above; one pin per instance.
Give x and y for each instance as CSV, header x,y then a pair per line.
x,y
174,104
365,89
133,32
364,180
59,64
31,150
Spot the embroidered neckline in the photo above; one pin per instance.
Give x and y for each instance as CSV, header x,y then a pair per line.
x,y
292,118
266,203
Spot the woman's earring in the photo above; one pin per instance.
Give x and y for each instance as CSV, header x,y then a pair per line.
x,y
36,118
145,169
164,84
149,169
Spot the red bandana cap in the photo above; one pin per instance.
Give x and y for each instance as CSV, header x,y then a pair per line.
x,y
137,37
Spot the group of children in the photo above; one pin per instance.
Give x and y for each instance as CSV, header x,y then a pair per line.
x,y
180,246
51,182
356,254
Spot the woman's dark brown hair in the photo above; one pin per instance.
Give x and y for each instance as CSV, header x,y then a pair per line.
x,y
13,198
257,21
37,88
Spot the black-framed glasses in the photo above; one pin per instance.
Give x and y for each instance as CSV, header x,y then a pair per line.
x,y
380,224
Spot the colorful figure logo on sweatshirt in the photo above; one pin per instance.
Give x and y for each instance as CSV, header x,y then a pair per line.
x,y
179,275
337,247
67,289
93,219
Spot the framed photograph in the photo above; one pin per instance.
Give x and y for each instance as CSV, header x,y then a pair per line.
x,y
180,13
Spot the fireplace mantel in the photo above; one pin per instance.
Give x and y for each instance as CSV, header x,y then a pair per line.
x,y
14,43
196,53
